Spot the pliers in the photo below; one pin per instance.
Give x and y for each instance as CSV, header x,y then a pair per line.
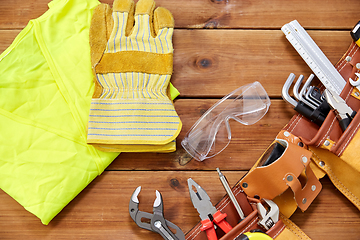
x,y
343,112
208,213
157,223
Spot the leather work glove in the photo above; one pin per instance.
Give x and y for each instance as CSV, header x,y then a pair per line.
x,y
132,61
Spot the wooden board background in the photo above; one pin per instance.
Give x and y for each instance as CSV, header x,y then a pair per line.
x,y
219,46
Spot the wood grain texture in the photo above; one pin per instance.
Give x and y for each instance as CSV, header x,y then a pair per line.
x,y
219,46
212,63
271,14
246,146
101,210
215,62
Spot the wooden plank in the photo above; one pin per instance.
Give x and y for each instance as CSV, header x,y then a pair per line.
x,y
246,146
246,46
212,63
16,14
101,210
6,38
219,13
262,14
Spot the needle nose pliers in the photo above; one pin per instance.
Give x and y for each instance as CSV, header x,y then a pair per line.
x,y
208,213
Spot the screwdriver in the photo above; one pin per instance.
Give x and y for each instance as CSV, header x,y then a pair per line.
x,y
230,194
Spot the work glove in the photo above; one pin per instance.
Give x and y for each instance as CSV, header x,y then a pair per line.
x,y
132,61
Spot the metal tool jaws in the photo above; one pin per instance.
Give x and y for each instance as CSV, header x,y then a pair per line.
x,y
158,203
157,223
268,218
134,203
338,104
136,214
200,200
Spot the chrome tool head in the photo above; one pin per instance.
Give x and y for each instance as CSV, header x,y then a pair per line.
x,y
338,104
200,200
154,221
355,83
268,217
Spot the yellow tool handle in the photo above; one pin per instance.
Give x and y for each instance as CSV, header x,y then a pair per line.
x,y
254,236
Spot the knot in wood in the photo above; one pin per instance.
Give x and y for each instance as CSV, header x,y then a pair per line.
x,y
184,158
202,111
213,23
174,182
204,63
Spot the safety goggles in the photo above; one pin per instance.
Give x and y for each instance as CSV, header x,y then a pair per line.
x,y
211,134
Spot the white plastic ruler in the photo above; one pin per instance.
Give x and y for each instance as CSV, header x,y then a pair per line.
x,y
313,56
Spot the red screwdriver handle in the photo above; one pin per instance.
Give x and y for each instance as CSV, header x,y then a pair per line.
x,y
208,227
219,219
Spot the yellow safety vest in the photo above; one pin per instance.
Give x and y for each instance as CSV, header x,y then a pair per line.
x,y
46,85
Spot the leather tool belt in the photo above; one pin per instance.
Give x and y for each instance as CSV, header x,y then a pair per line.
x,y
289,169
283,229
334,152
285,164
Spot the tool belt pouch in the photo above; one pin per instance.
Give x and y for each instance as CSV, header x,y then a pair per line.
x,y
283,229
335,152
288,171
284,165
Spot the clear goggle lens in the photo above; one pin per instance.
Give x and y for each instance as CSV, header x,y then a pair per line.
x,y
211,134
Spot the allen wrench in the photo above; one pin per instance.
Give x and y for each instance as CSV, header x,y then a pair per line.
x,y
313,113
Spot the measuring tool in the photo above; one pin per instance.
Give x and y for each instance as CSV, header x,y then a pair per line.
x,y
253,236
313,56
355,33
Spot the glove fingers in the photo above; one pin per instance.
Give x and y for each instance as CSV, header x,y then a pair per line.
x,y
143,17
123,21
153,29
125,6
145,7
162,19
99,32
164,27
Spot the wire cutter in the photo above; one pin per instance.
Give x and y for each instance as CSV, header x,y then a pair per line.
x,y
343,112
208,213
157,223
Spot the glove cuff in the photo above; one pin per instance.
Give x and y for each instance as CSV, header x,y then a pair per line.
x,y
133,121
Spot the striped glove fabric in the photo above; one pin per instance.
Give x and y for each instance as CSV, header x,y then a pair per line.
x,y
132,60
